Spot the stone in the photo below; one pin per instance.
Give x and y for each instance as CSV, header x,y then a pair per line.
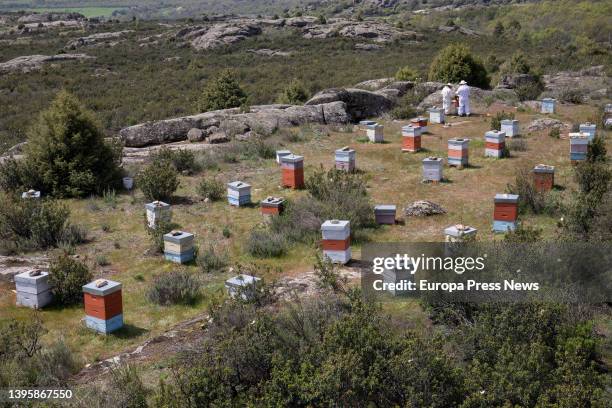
x,y
217,138
96,39
423,208
30,63
360,104
547,123
218,35
195,135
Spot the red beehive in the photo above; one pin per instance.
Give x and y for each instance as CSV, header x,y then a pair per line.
x,y
336,244
419,122
543,177
411,139
292,171
103,304
506,207
272,206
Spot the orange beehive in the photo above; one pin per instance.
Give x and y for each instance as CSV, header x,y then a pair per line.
x,y
494,146
420,122
292,171
103,307
336,244
543,177
272,206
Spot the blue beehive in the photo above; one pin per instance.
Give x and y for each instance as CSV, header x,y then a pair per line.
x,y
510,127
579,143
239,193
104,326
590,129
549,105
179,246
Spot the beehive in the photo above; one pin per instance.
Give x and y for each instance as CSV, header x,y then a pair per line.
x,y
548,105
385,214
436,115
376,133
345,159
178,246
30,194
579,143
238,193
505,213
458,152
272,205
495,143
158,211
459,233
103,305
510,127
590,129
292,167
411,138
420,122
432,169
280,154
33,289
242,285
364,124
395,276
543,177
336,243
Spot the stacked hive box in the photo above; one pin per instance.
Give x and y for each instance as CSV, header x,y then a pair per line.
x,y
238,193
460,233
543,177
242,285
336,240
411,138
376,133
458,152
549,105
505,213
178,246
392,277
30,194
432,169
420,122
385,214
436,115
293,171
280,154
272,206
510,127
579,143
157,211
103,306
33,289
345,159
364,124
590,129
495,143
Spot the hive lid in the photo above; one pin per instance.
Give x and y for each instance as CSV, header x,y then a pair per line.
x,y
108,287
344,149
157,204
31,275
458,140
385,207
548,100
433,158
292,158
283,152
544,168
239,184
273,200
579,135
506,198
335,225
506,121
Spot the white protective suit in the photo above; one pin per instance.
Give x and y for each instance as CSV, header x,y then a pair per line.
x,y
464,100
447,95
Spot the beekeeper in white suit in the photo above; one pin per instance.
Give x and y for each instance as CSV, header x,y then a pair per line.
x,y
447,96
464,99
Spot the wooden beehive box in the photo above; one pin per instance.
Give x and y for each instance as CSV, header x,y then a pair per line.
x,y
590,129
458,152
242,285
376,133
432,169
385,214
549,105
345,159
495,143
336,243
292,167
436,115
30,194
272,205
460,233
579,143
543,177
411,138
33,289
179,246
280,154
510,127
157,211
238,193
103,305
505,213
420,122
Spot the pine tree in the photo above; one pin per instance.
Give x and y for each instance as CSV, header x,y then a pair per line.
x,y
222,92
455,63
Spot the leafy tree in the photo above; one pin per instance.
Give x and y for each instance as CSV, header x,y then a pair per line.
x,y
455,63
158,181
67,276
406,74
293,94
222,92
596,150
66,147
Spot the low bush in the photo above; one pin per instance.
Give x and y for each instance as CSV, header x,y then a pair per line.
x,y
294,94
183,160
156,235
212,189
531,199
158,181
406,74
524,234
517,145
571,95
209,260
266,244
555,133
176,287
67,276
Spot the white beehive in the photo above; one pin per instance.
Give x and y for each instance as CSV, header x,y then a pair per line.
x,y
158,211
432,169
510,127
436,115
375,133
33,289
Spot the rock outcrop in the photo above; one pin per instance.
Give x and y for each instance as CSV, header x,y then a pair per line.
x,y
218,35
231,122
423,208
516,80
360,104
96,39
29,63
46,17
547,123
372,31
266,52
461,30
592,83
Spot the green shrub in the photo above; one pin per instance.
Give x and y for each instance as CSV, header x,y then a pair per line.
x,y
66,147
294,94
531,199
222,92
183,160
67,276
404,109
212,189
156,234
158,181
455,63
173,288
524,234
499,116
226,232
596,150
15,176
209,260
266,244
529,91
555,133
571,95
517,145
406,74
